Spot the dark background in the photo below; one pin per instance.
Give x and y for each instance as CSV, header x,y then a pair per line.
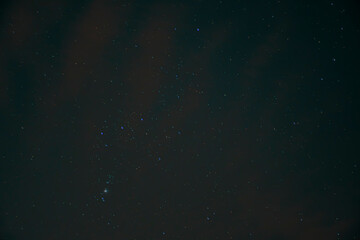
x,y
193,120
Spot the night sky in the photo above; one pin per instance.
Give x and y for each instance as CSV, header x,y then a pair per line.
x,y
194,120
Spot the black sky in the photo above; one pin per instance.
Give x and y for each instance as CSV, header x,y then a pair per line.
x,y
193,120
